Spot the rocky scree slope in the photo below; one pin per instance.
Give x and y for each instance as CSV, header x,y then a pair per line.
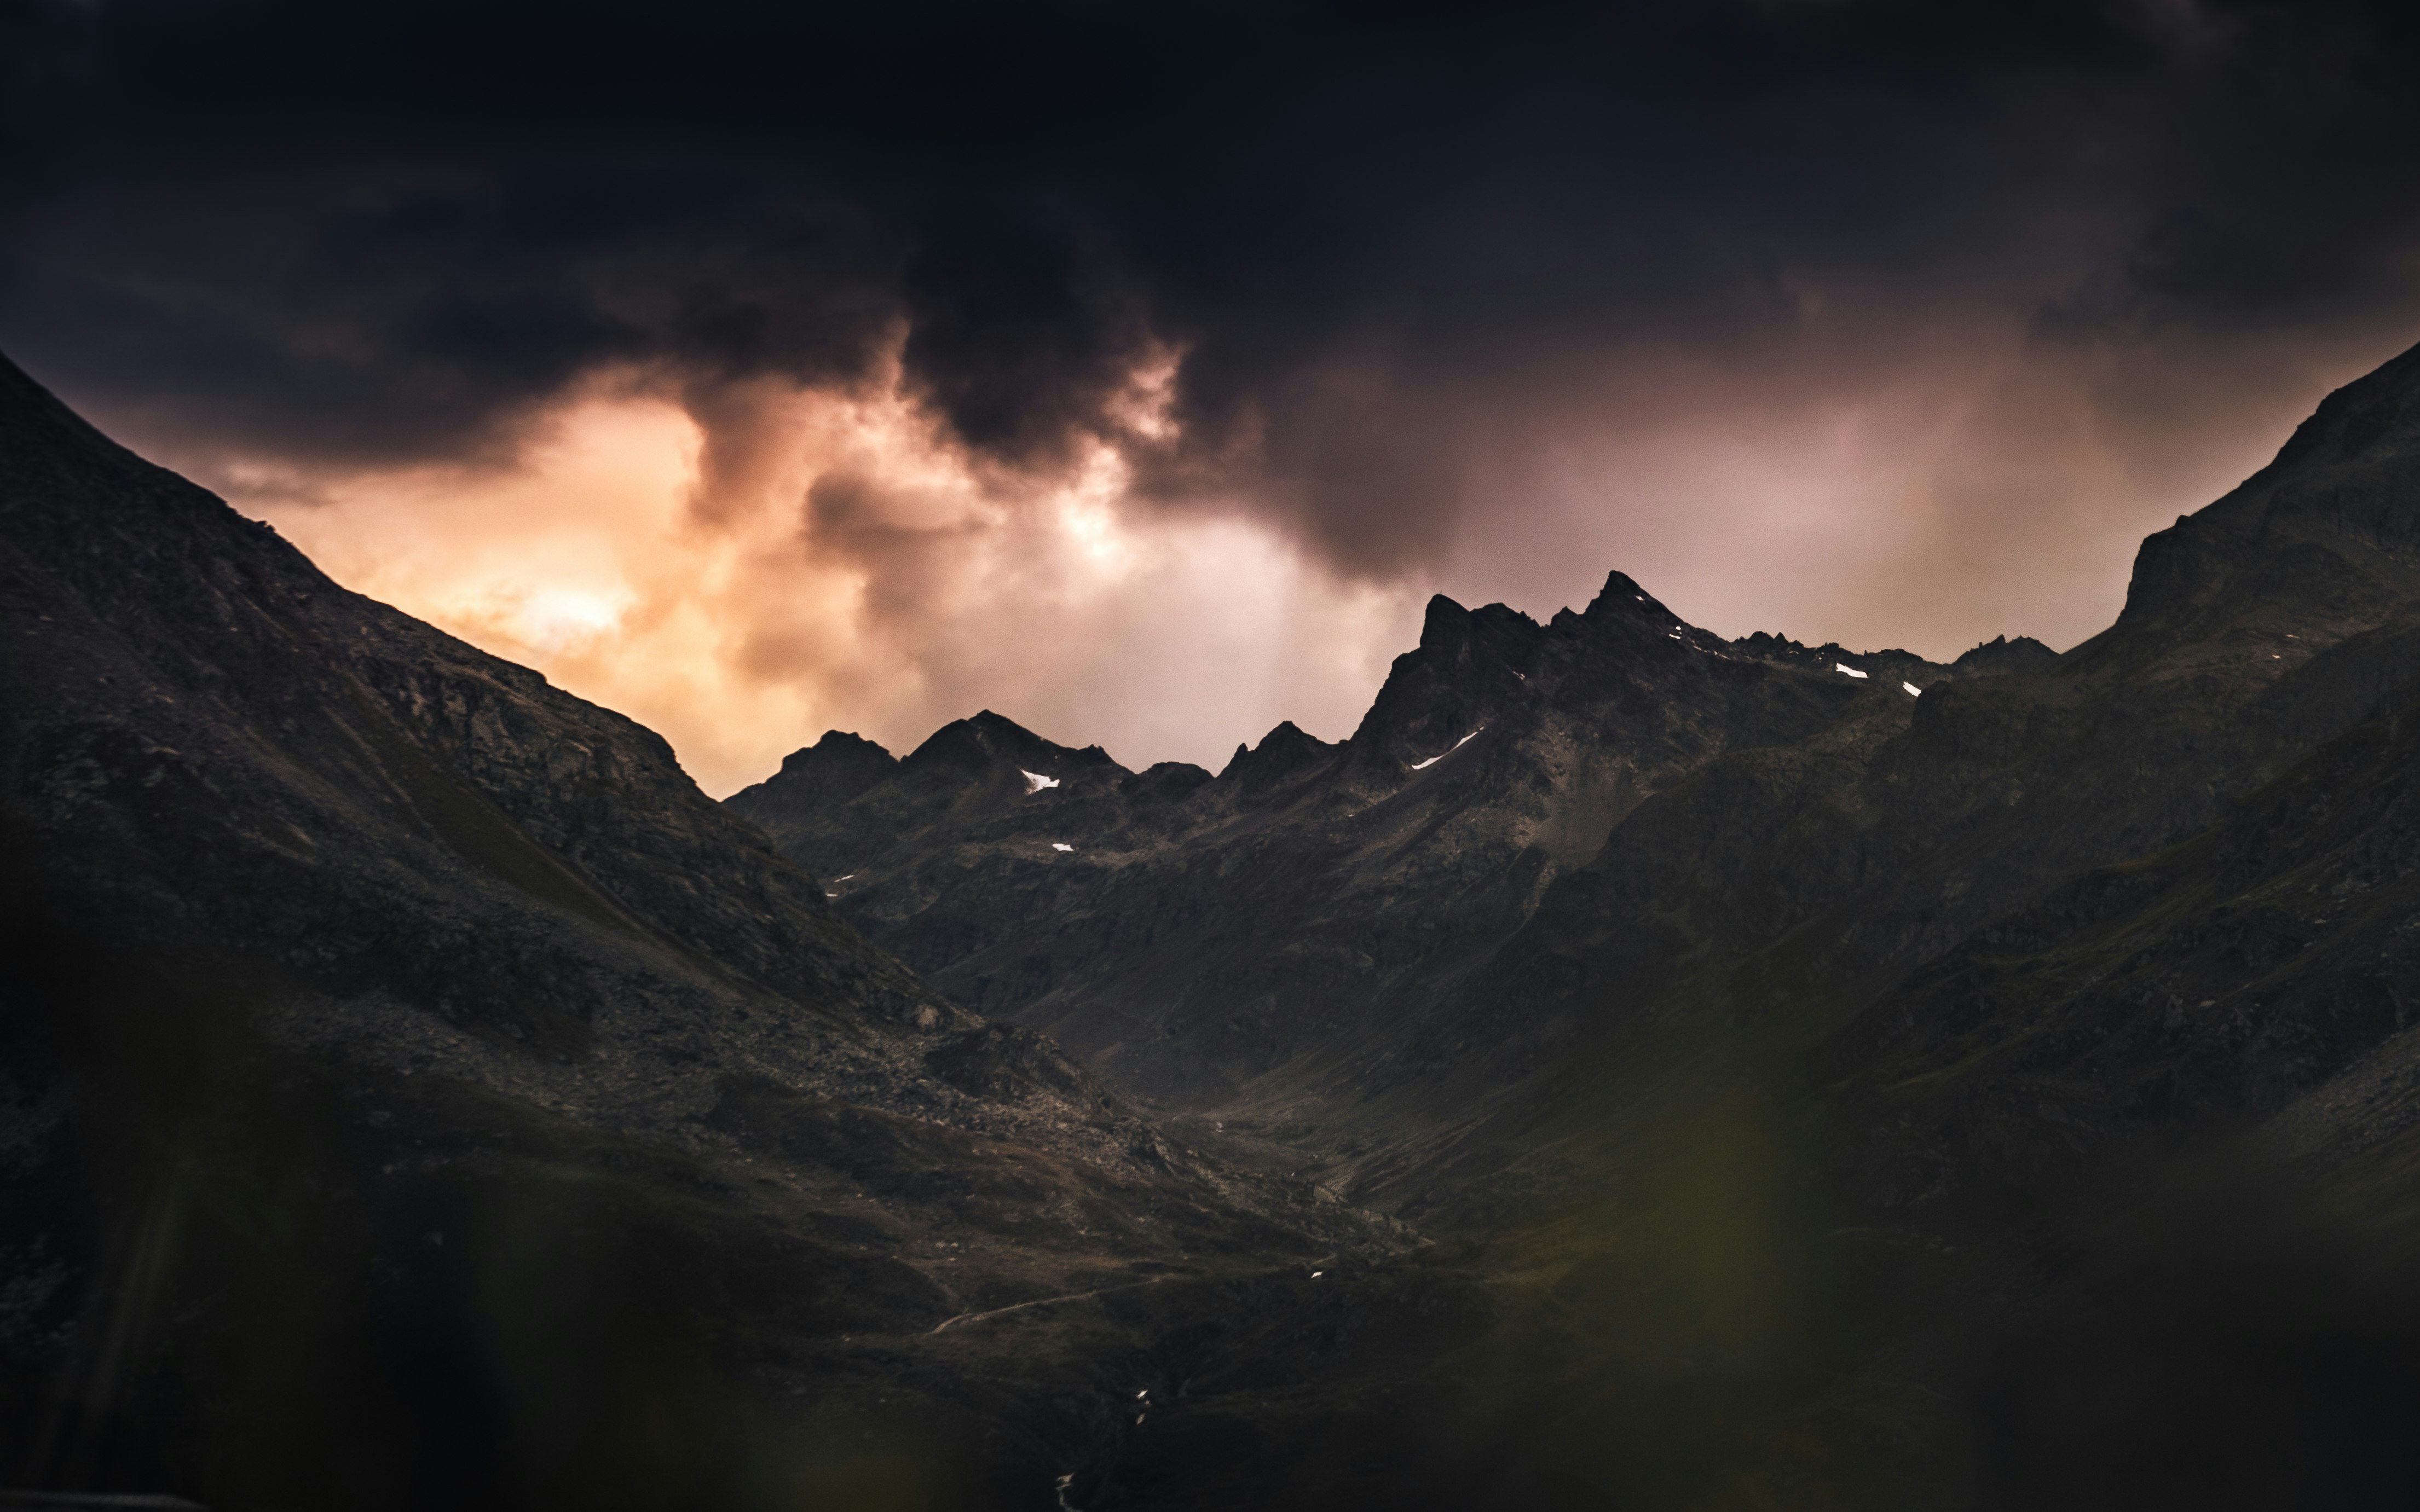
x,y
404,1058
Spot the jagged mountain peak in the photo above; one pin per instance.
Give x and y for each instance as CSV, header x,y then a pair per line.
x,y
986,739
1622,597
1446,624
834,769
842,760
1284,751
2003,655
1467,661
1167,781
840,744
1448,628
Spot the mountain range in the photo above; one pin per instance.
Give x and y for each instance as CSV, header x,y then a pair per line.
x,y
1635,1068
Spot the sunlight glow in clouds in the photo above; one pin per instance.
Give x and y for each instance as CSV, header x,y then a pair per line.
x,y
818,559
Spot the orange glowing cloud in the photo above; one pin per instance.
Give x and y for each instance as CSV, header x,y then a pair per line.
x,y
808,559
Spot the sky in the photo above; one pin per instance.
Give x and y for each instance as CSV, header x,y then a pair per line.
x,y
1138,372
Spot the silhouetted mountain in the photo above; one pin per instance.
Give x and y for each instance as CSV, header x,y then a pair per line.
x,y
2002,655
833,771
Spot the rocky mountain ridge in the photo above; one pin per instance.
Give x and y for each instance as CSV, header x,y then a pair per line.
x,y
1498,754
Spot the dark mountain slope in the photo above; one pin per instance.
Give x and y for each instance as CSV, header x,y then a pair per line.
x,y
417,1093
2264,969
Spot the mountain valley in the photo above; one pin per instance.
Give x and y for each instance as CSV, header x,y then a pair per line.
x,y
1635,1068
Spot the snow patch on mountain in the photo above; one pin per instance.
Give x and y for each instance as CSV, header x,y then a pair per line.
x,y
1422,766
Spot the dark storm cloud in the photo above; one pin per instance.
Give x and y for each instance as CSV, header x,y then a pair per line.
x,y
377,232
2279,183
